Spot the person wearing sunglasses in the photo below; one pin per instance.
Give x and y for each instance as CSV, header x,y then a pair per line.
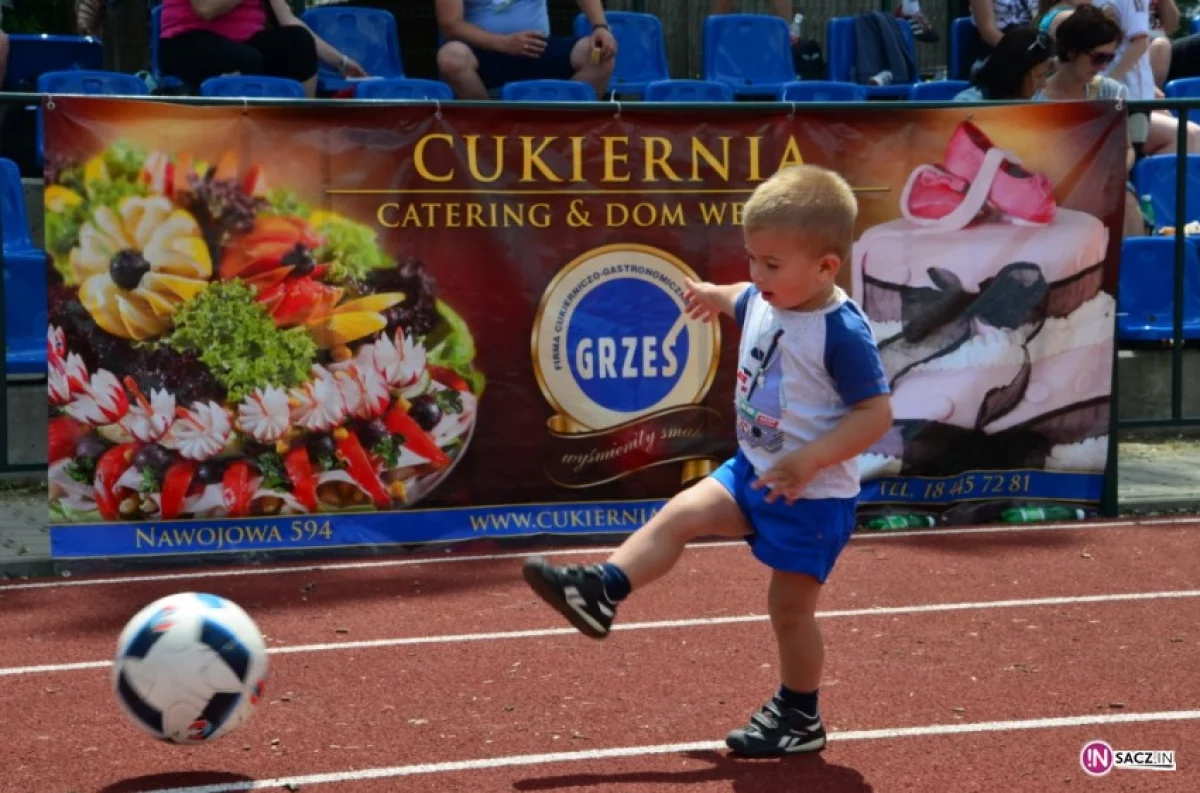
x,y
1086,44
1015,70
1086,41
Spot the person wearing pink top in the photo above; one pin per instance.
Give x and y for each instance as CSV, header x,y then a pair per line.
x,y
208,38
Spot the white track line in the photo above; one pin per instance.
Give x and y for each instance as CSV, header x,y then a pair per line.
x,y
699,622
1017,528
526,760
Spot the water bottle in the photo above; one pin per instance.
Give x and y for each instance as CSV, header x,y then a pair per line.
x,y
895,522
794,28
1035,514
1147,211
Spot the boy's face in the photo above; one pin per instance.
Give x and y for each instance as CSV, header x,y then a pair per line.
x,y
785,270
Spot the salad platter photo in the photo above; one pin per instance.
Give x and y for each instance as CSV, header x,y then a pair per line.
x,y
219,348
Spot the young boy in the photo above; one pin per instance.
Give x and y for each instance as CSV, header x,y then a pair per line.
x,y
811,395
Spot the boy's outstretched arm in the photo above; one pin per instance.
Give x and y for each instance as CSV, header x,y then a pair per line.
x,y
707,301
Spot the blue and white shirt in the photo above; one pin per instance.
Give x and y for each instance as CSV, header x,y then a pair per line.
x,y
799,372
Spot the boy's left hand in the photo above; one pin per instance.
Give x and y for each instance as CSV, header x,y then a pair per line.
x,y
788,477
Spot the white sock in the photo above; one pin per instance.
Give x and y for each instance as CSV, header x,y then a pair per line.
x,y
910,7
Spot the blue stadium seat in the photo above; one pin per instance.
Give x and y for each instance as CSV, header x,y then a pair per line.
x,y
32,55
641,53
822,91
842,53
403,88
84,81
688,91
1184,87
367,35
163,80
547,91
751,53
1146,296
962,33
246,85
937,90
24,281
1155,176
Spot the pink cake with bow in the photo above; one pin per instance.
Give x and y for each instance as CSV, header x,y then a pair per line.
x,y
986,298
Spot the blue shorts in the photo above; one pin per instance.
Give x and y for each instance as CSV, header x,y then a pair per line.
x,y
498,68
805,537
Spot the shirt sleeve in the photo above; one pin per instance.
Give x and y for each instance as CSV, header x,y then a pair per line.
x,y
742,303
852,356
1132,21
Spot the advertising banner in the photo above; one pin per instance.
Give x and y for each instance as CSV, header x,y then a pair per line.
x,y
313,327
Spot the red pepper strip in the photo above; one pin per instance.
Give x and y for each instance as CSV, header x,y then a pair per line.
x,y
359,466
176,483
299,470
448,378
399,422
65,433
109,468
235,489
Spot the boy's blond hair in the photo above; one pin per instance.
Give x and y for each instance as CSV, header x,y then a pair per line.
x,y
815,202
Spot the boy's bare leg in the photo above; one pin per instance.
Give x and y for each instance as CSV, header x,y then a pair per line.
x,y
706,509
587,594
790,721
792,604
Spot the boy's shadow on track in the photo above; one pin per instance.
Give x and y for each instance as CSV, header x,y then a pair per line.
x,y
169,781
810,773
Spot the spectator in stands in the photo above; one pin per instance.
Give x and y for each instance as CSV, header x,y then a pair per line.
x,y
1016,69
1086,44
994,18
493,42
209,38
1171,58
1157,132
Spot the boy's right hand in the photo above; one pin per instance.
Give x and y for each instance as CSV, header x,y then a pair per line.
x,y
704,300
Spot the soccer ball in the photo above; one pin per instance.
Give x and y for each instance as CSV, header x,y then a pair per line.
x,y
189,668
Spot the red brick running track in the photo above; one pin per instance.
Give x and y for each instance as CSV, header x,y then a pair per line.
x,y
979,660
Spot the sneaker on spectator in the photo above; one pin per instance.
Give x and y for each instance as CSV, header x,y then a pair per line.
x,y
922,30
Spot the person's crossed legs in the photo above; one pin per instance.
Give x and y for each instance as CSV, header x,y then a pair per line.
x,y
473,71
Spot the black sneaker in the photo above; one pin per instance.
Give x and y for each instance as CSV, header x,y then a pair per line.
x,y
776,730
576,591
